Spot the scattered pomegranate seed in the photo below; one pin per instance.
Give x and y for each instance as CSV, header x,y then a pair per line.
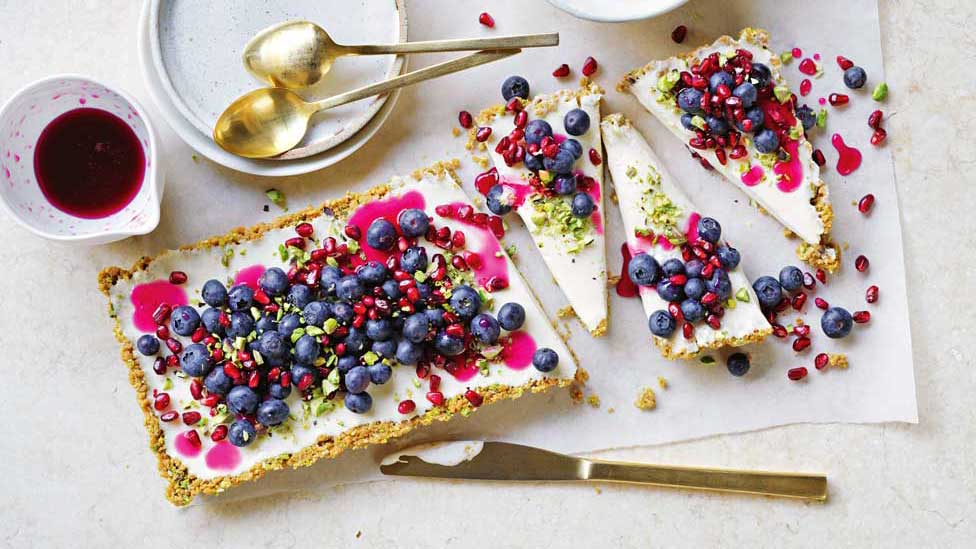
x,y
837,99
436,398
861,263
779,331
874,120
161,402
159,366
353,232
162,332
818,157
174,346
435,382
871,295
798,301
474,398
802,330
304,229
198,334
193,437
878,136
796,374
861,316
844,62
801,343
595,157
589,66
865,204
406,406
191,418
465,119
210,400
821,304
169,416
483,134
219,433
177,277
486,20
161,314
688,330
679,33
196,389
561,71
822,276
808,281
821,360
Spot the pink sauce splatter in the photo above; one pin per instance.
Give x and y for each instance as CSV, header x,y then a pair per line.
x,y
822,101
146,297
752,177
807,66
797,53
595,217
816,56
559,138
249,276
185,447
461,369
388,209
691,233
223,457
790,173
626,286
805,87
518,350
493,264
519,190
850,157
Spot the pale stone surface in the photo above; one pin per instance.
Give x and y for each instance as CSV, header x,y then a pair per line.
x,y
76,470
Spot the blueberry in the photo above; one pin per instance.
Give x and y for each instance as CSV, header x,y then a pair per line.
x,y
807,117
413,222
533,162
583,205
372,273
148,344
766,141
379,329
379,373
413,259
545,359
716,125
661,323
643,270
695,288
306,349
497,200
564,184
241,325
693,268
415,327
214,293
448,345
757,116
356,342
276,390
299,295
836,322
718,78
264,324
728,256
274,346
689,100
424,290
562,163
184,320
195,360
692,310
408,352
761,74
242,400
465,301
381,235
686,121
316,313
669,291
386,349
435,317
572,146
298,372
720,284
768,290
535,130
272,412
289,323
358,403
217,382
357,379
515,86
241,433
240,298
211,321
485,328
673,266
330,277
349,288
855,77
747,92
511,316
576,122
391,289
709,229
346,363
343,312
791,278
738,364
273,281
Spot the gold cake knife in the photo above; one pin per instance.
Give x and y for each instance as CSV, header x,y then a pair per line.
x,y
476,460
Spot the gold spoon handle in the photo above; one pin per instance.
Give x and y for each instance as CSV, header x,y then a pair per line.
x,y
463,44
414,77
792,485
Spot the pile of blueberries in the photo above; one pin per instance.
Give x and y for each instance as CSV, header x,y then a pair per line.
x,y
357,322
543,153
836,322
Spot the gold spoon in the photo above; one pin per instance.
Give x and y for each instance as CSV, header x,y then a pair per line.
x,y
270,121
297,54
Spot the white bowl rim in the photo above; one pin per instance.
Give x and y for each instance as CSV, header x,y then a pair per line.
x,y
651,12
154,195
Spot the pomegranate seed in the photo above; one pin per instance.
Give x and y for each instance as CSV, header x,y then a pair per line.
x,y
254,380
688,330
779,331
161,402
193,437
844,62
285,379
159,366
496,283
196,389
796,374
679,33
874,120
172,361
595,157
305,382
878,136
837,99
483,134
818,157
161,314
865,204
304,229
821,304
802,330
861,263
406,406
210,400
198,334
871,295
435,397
861,317
296,242
191,417
496,226
169,416
353,232
219,433
177,277
486,19
808,281
714,321
782,305
798,301
162,332
821,361
709,299
589,66
435,382
465,119
801,343
174,346
474,398
561,71
822,276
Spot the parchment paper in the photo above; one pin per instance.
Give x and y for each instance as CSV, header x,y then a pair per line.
x,y
700,400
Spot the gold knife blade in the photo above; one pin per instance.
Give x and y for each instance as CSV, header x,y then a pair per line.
x,y
474,460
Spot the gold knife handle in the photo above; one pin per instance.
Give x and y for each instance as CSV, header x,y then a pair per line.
x,y
791,485
462,44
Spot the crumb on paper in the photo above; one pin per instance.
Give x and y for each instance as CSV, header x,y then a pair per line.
x,y
613,280
593,400
786,232
845,246
663,383
598,490
455,132
647,400
566,312
482,161
611,410
838,360
576,394
613,197
359,534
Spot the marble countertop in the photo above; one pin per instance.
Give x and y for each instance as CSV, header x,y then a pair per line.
x,y
891,485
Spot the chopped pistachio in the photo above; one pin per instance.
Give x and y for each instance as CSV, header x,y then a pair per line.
x,y
331,325
277,197
786,57
314,331
370,358
698,122
167,384
742,295
297,334
228,255
667,81
782,93
822,118
880,92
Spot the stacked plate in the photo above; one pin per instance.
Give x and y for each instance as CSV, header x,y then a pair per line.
x,y
191,58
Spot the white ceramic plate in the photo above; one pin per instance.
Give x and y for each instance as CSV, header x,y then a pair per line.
x,y
616,11
204,144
